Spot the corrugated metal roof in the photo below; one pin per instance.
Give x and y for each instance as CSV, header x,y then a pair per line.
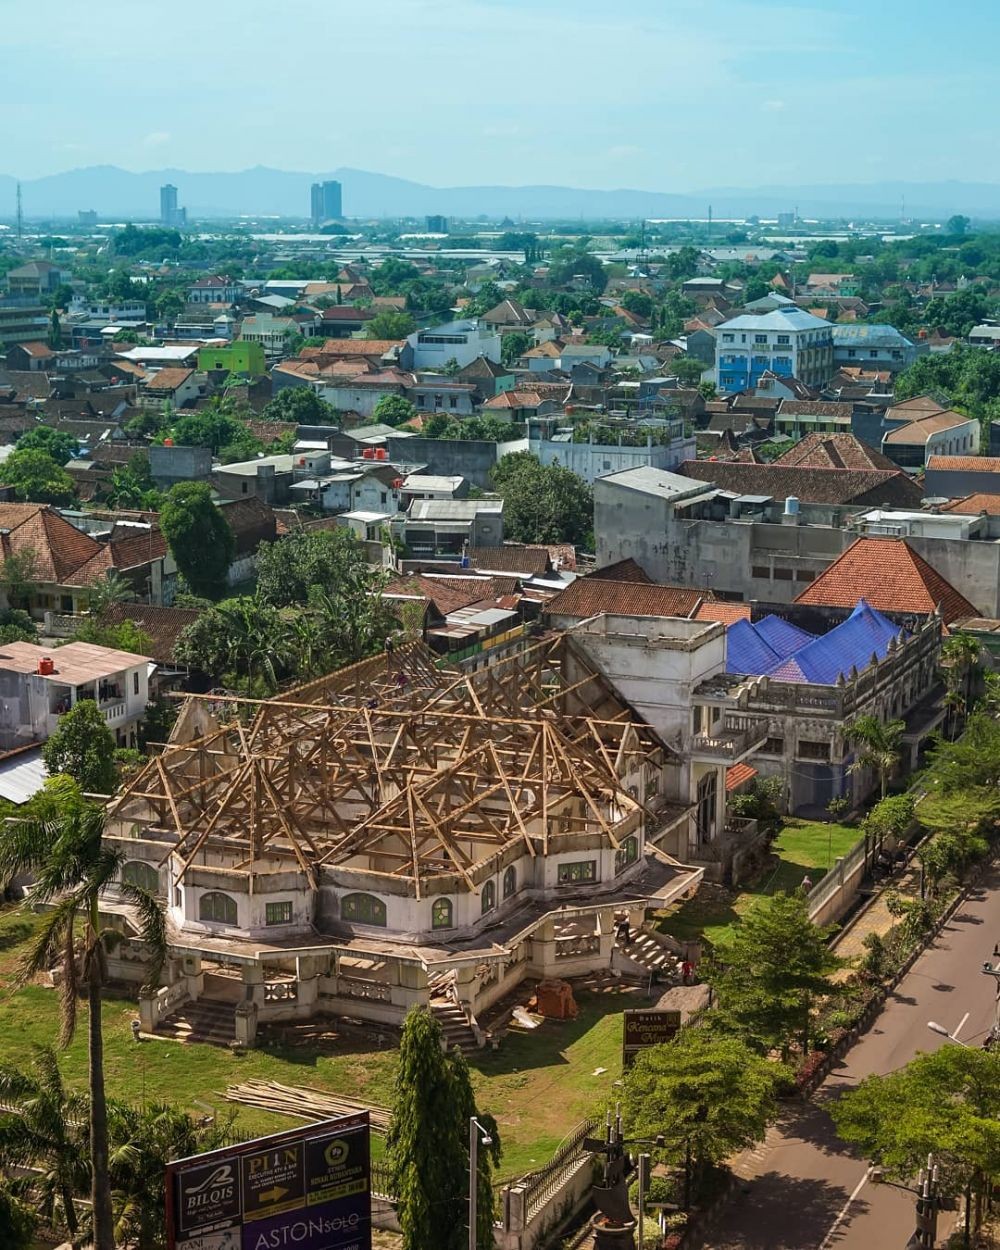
x,y
22,775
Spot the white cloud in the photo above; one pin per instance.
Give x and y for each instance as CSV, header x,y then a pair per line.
x,y
156,139
772,106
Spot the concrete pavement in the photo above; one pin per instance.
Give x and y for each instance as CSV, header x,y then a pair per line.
x,y
803,1189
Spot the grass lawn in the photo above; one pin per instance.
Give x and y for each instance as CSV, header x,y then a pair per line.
x,y
803,847
538,1085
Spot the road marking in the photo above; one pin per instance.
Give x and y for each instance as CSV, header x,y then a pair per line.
x,y
828,1239
961,1025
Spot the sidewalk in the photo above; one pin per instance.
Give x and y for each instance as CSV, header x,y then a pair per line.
x,y
874,917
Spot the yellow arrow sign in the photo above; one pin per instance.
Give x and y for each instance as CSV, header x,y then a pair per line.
x,y
272,1195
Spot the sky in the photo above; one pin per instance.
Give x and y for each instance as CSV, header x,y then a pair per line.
x,y
668,95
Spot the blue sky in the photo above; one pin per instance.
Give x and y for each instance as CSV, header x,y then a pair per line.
x,y
658,94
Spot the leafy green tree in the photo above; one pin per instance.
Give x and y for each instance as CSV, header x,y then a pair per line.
x,y
36,477
689,369
45,1129
63,851
301,405
333,560
59,445
199,537
514,345
543,503
390,323
19,576
957,224
946,1104
770,973
83,747
132,486
210,427
878,746
245,641
393,410
17,626
638,302
427,1142
577,262
961,656
711,1095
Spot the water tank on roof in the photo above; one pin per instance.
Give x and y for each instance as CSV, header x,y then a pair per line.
x,y
46,666
791,506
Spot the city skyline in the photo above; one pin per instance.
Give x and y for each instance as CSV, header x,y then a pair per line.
x,y
738,94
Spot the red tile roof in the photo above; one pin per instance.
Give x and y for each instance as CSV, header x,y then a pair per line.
x,y
738,775
723,612
511,558
973,505
589,596
965,464
167,379
448,594
623,571
59,547
834,451
829,486
891,576
920,429
160,625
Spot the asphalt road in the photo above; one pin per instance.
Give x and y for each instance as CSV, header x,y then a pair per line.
x,y
803,1189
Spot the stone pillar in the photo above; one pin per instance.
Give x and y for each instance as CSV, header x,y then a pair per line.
x,y
253,981
246,1024
147,1012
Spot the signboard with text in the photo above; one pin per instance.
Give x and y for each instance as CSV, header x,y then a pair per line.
x,y
307,1189
647,1028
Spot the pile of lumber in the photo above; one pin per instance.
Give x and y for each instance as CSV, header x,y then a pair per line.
x,y
304,1103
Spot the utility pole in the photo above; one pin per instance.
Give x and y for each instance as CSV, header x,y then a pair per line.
x,y
477,1134
644,1168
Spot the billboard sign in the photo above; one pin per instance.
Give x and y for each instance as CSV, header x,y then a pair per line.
x,y
647,1028
306,1189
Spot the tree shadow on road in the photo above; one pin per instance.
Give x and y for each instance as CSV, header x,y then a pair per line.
x,y
810,1122
777,1212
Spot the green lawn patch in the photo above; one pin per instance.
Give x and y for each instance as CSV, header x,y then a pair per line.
x,y
803,848
538,1085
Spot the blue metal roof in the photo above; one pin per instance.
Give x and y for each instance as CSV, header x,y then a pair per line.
x,y
861,335
769,647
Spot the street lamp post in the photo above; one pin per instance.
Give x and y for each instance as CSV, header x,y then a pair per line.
x,y
477,1135
928,1202
993,970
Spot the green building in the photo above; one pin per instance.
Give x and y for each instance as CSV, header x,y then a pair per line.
x,y
236,357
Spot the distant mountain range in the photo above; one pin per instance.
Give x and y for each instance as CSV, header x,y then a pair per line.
x,y
117,194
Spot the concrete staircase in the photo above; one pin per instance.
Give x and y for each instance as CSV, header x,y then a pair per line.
x,y
652,956
454,1025
201,1020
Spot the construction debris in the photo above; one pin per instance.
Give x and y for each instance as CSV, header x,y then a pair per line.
x,y
304,1103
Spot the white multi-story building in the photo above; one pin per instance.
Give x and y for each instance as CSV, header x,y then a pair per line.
x,y
463,341
38,685
788,341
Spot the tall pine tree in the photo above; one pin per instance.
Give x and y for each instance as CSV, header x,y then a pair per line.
x,y
427,1146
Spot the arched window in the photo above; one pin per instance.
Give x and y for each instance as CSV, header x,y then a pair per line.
x,y
489,896
364,909
138,872
441,914
217,908
627,853
510,881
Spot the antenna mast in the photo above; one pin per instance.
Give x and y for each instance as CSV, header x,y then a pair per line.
x,y
20,215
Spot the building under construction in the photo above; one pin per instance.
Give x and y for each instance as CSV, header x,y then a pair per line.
x,y
398,831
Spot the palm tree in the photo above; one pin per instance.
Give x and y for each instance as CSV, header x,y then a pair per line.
x,y
103,595
961,657
954,703
143,1141
62,850
879,746
46,1130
